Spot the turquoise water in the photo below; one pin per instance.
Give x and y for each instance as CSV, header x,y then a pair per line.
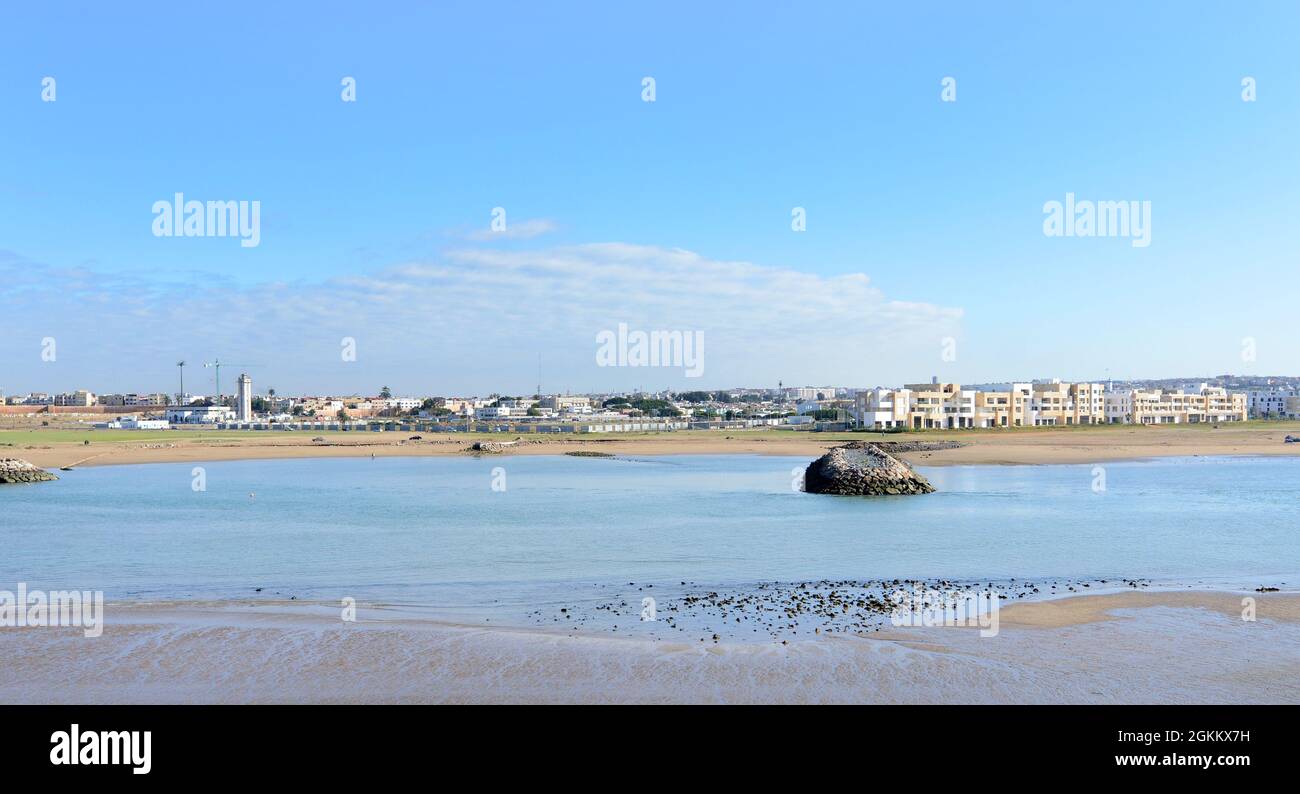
x,y
433,533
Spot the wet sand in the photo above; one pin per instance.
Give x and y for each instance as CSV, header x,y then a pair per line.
x,y
1142,647
1077,610
981,447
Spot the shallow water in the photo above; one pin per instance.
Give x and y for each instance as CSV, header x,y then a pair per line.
x,y
432,534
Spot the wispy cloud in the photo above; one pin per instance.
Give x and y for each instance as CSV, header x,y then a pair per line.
x,y
469,320
514,230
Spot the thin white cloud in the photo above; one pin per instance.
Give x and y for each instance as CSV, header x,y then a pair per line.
x,y
475,320
515,230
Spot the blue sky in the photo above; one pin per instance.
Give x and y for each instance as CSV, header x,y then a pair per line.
x,y
924,218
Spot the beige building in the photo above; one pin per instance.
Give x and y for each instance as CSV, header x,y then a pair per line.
x,y
1162,407
1059,404
80,398
920,406
157,398
565,403
142,400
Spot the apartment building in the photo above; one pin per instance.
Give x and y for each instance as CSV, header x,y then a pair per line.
x,y
809,393
396,404
1057,404
157,398
1270,403
321,406
566,403
80,398
142,400
1165,407
920,406
463,406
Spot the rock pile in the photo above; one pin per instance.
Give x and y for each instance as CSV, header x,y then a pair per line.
x,y
14,470
863,469
491,446
894,447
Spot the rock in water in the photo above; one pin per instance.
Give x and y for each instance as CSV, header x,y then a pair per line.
x,y
13,470
862,469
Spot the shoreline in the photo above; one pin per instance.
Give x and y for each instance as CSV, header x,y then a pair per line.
x,y
1027,446
1146,647
1050,610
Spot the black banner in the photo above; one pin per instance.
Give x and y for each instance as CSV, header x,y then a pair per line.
x,y
144,744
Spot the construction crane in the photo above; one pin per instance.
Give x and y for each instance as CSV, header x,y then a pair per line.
x,y
217,364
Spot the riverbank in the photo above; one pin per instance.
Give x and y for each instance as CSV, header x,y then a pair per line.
x,y
54,448
1141,647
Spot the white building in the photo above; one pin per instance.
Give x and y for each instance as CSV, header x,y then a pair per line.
x,y
136,423
1269,403
244,398
199,414
809,393
1164,407
401,403
921,406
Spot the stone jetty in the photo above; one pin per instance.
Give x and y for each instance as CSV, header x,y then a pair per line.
x,y
14,470
863,469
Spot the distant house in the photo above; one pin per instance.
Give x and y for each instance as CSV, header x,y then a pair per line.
x,y
136,423
199,414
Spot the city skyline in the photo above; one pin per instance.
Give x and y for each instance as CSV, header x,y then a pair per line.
x,y
1269,382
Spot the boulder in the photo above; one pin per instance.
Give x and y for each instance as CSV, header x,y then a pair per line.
x,y
863,469
15,470
491,446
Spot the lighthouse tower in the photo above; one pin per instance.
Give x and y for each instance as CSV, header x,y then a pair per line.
x,y
244,398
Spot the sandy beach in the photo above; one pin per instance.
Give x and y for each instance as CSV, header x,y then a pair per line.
x,y
1143,647
57,448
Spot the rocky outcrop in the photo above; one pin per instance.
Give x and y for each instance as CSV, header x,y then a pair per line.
x,y
491,446
14,470
863,469
895,447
